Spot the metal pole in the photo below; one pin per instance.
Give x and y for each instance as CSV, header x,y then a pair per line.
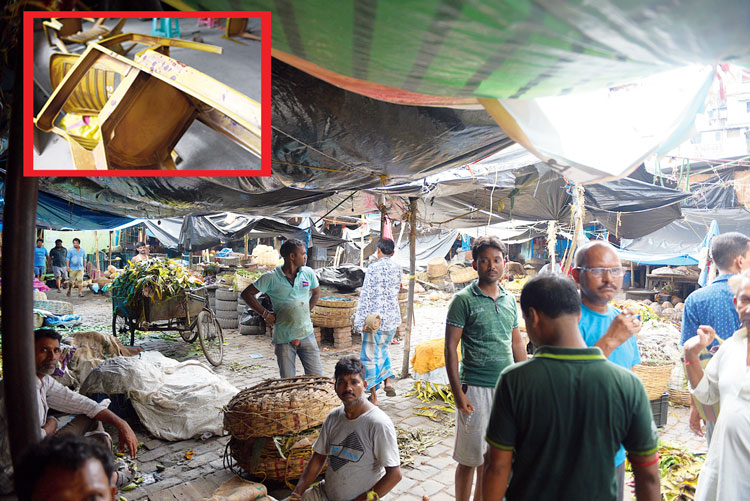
x,y
412,276
19,221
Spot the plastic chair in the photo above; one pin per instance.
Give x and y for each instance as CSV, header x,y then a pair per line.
x,y
236,28
70,31
154,104
208,22
165,27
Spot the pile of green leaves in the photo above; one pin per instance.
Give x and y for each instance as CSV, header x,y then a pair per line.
x,y
439,396
155,278
679,469
252,275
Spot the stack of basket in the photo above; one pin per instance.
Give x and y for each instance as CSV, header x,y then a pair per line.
x,y
274,424
437,271
334,312
462,274
226,308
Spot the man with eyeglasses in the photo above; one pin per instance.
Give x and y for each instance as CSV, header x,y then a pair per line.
x,y
598,273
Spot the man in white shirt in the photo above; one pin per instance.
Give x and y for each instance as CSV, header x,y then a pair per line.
x,y
52,395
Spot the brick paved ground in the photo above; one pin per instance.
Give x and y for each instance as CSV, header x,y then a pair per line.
x,y
431,474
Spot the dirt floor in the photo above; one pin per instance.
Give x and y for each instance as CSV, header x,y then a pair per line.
x,y
249,360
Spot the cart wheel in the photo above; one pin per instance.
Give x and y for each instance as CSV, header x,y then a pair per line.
x,y
121,327
211,337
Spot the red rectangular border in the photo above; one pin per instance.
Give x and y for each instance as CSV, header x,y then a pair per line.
x,y
28,94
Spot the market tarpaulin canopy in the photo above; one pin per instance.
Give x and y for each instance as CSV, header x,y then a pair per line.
x,y
328,138
519,49
195,233
57,214
608,132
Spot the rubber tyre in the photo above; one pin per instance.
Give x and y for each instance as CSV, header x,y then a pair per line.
x,y
226,295
211,337
227,314
222,305
252,330
228,323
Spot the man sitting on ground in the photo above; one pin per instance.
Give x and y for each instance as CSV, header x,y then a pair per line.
x,y
66,468
52,395
558,419
359,441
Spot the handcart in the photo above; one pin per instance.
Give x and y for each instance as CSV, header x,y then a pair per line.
x,y
187,312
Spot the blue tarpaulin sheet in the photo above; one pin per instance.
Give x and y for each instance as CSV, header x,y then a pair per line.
x,y
655,259
57,214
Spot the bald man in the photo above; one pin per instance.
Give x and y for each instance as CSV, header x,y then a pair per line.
x,y
598,273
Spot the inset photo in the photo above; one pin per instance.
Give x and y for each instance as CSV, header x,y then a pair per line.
x,y
147,93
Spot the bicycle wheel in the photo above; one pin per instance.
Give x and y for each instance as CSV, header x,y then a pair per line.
x,y
211,337
123,329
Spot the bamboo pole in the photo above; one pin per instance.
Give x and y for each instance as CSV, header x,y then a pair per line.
x,y
247,238
412,277
362,242
96,250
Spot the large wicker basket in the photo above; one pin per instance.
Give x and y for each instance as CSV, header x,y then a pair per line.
x,y
655,377
337,302
262,458
680,396
241,282
56,307
280,407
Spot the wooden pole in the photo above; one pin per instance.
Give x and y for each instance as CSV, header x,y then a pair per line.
x,y
96,250
19,221
110,247
362,242
382,220
412,277
247,238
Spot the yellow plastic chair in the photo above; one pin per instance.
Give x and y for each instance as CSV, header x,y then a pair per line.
x,y
236,27
156,101
70,31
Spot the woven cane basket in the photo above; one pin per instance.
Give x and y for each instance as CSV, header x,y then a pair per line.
x,y
331,322
680,396
655,377
241,282
337,302
56,307
280,407
261,458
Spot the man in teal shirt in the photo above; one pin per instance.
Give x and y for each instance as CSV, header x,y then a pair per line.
x,y
294,291
598,272
484,319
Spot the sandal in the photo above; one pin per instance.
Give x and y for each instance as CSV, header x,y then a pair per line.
x,y
390,391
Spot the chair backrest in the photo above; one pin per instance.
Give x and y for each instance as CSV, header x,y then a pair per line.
x,y
92,92
70,26
235,26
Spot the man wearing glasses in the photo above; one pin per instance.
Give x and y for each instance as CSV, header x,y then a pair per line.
x,y
598,273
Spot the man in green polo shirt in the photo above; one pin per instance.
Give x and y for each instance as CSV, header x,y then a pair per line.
x,y
294,291
484,319
558,419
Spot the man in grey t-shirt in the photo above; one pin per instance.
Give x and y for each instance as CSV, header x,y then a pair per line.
x,y
359,441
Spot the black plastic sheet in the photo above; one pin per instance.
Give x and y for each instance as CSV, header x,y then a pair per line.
x,y
346,278
327,138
